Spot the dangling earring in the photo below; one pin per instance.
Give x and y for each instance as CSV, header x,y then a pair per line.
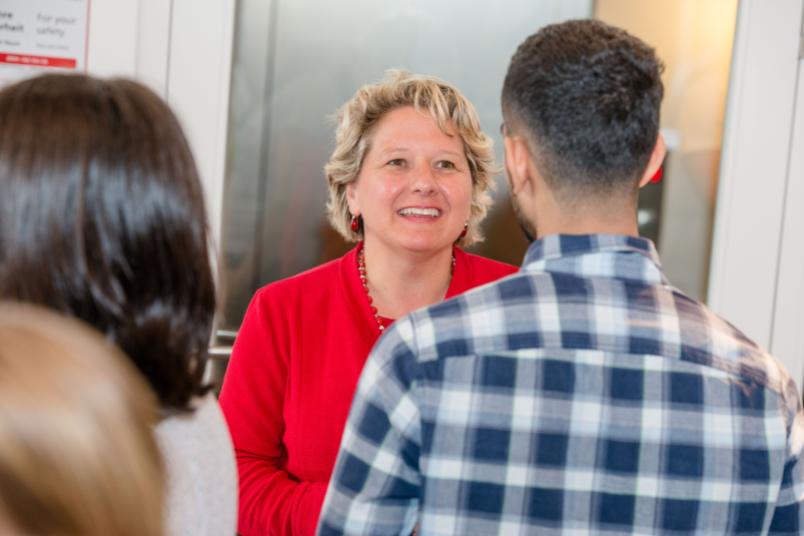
x,y
355,224
465,230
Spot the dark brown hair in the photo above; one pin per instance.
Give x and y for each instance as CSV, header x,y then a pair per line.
x,y
102,217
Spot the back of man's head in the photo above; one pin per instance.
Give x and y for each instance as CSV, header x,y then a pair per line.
x,y
586,97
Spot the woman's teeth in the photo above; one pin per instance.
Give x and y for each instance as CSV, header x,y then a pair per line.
x,y
432,212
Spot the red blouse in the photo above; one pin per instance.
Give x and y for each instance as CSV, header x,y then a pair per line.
x,y
290,382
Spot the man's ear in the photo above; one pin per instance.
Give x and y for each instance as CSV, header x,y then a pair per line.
x,y
655,161
517,164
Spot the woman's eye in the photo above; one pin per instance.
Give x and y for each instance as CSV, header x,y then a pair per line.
x,y
445,164
396,162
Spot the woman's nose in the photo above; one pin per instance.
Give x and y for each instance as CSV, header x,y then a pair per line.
x,y
424,180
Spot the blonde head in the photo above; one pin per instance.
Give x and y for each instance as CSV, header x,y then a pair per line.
x,y
448,108
77,451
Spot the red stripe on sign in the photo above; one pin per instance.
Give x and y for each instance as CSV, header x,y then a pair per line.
x,y
37,61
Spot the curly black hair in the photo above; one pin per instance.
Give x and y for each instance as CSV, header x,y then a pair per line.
x,y
587,97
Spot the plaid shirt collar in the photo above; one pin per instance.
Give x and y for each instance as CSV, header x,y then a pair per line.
x,y
593,255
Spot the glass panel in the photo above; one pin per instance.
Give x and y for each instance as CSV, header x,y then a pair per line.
x,y
295,62
694,39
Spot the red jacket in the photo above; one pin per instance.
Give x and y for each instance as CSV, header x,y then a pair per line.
x,y
290,382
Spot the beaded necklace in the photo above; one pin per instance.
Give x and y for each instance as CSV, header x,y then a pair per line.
x,y
361,271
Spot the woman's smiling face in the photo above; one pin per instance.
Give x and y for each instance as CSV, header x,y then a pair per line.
x,y
414,189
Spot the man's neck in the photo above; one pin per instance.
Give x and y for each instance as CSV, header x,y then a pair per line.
x,y
601,219
588,227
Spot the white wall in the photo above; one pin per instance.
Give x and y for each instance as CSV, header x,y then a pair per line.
x,y
113,39
153,43
130,38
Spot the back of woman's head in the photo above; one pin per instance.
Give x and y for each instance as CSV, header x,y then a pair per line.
x,y
77,451
102,217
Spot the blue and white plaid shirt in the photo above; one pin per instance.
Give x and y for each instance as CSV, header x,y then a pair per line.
x,y
582,395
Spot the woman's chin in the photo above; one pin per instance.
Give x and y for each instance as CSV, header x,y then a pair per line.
x,y
426,245
419,243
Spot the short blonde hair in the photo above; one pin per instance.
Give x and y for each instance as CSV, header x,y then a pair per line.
x,y
444,103
77,452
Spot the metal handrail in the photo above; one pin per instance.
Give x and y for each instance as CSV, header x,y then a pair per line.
x,y
220,353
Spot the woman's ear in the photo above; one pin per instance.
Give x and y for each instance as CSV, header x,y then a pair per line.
x,y
351,199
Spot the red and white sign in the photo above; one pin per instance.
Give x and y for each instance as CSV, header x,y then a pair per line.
x,y
42,36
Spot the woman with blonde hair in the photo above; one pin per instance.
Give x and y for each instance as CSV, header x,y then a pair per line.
x,y
408,181
77,452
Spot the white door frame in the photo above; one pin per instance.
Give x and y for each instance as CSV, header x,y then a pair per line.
x,y
787,337
198,82
756,179
182,49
